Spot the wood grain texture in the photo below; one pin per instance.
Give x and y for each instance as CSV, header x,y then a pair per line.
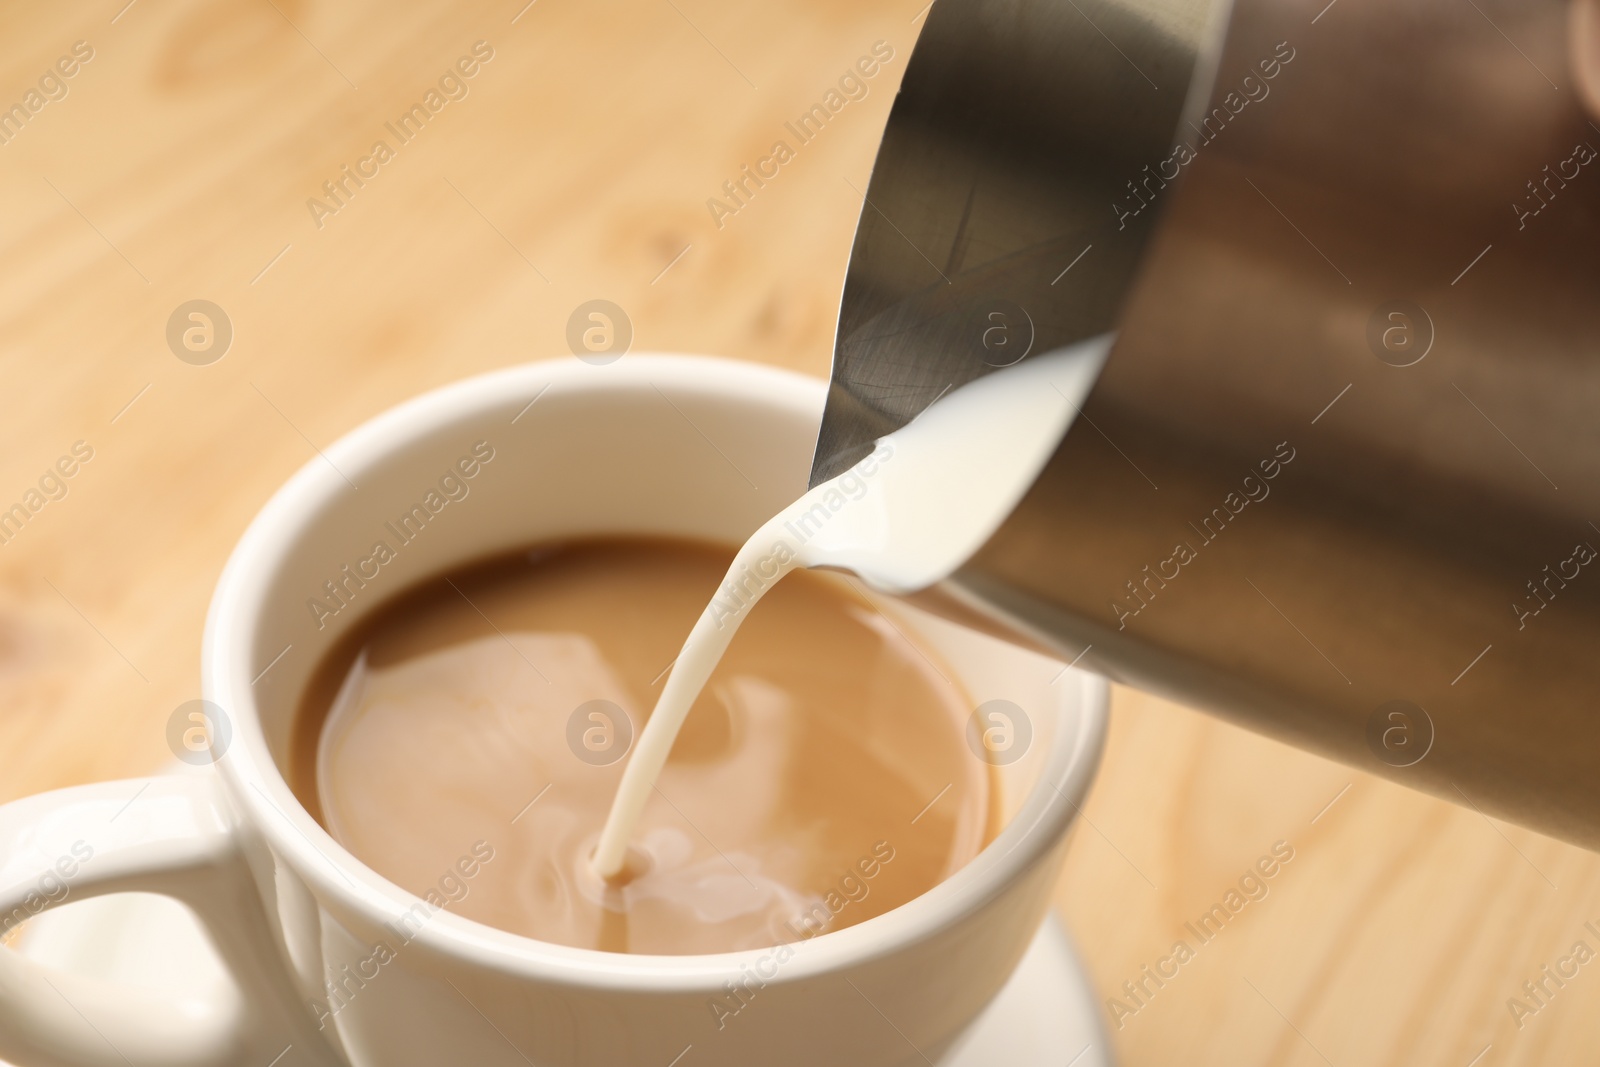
x,y
178,166
1395,935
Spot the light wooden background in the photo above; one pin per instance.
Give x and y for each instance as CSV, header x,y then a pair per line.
x,y
178,166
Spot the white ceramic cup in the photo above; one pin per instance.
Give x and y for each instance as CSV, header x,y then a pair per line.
x,y
338,966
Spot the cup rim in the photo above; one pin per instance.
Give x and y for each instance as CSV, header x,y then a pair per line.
x,y
270,809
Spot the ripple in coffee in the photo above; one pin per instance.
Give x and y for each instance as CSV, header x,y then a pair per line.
x,y
466,741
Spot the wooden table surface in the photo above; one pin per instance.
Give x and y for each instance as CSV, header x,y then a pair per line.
x,y
178,166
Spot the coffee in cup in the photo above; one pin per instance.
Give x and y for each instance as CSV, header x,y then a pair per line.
x,y
467,738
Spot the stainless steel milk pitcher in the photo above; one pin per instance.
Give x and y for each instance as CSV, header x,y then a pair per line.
x,y
1340,478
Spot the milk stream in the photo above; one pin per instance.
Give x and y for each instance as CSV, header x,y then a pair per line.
x,y
927,497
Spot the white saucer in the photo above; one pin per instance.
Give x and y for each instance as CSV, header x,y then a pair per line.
x,y
1045,1016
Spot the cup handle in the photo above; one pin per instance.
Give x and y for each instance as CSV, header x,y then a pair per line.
x,y
177,836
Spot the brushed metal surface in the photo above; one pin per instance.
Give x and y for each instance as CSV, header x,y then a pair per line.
x,y
1417,584
1017,125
